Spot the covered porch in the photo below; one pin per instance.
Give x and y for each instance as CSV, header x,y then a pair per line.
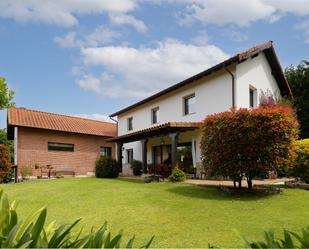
x,y
164,146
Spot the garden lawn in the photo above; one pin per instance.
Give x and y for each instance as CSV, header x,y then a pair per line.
x,y
179,215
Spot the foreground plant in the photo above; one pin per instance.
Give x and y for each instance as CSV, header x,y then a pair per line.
x,y
33,233
290,240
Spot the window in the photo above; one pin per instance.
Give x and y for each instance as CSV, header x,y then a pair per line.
x,y
252,97
155,115
130,124
106,152
129,155
189,104
60,146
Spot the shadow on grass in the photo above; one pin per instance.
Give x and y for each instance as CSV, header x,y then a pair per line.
x,y
215,193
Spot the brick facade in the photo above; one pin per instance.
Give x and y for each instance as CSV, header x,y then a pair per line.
x,y
33,149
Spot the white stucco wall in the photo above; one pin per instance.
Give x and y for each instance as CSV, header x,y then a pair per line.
x,y
257,73
212,94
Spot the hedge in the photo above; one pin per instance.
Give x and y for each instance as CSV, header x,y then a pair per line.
x,y
301,168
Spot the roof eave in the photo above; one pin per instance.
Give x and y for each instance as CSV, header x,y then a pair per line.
x,y
12,126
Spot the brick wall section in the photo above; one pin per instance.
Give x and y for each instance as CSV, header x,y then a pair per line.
x,y
33,149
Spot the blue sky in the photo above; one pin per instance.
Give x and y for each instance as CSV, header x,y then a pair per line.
x,y
93,57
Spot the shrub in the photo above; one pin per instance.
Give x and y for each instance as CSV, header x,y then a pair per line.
x,y
177,175
106,168
34,233
137,167
5,165
246,143
301,168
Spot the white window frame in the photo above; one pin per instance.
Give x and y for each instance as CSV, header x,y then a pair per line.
x,y
157,110
255,97
127,155
186,98
130,127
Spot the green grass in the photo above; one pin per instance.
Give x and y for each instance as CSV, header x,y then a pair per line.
x,y
178,215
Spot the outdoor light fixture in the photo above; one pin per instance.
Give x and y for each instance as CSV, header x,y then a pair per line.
x,y
162,141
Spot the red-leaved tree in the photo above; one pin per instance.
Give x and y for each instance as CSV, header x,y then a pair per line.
x,y
5,164
246,143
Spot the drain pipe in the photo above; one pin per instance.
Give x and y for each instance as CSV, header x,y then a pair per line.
x,y
233,85
116,121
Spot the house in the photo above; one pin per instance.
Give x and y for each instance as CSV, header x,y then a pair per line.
x,y
164,129
63,142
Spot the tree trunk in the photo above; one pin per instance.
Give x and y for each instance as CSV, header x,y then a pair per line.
x,y
234,182
239,183
249,181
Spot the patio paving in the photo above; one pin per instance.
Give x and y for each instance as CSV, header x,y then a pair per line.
x,y
279,181
202,182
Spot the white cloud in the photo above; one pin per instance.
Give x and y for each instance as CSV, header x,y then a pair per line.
x,y
95,116
67,41
61,12
240,12
304,27
235,35
121,19
99,36
139,72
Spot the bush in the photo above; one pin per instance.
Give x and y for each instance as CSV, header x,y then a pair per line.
x,y
247,143
106,168
34,233
301,168
177,175
137,167
5,165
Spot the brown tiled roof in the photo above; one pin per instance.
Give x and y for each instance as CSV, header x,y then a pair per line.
x,y
157,130
43,120
266,47
255,49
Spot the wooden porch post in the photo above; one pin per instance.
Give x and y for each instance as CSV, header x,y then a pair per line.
x,y
119,154
174,136
144,155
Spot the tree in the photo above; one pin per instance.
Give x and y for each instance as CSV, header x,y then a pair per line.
x,y
10,144
298,78
5,165
6,95
247,143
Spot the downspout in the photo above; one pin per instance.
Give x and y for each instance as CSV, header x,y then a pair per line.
x,y
116,121
233,86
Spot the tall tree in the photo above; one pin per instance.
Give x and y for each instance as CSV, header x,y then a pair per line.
x,y
298,78
6,95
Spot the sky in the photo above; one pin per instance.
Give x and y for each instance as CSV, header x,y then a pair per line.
x,y
90,58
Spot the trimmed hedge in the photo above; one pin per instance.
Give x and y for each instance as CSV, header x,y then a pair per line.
x,y
106,168
301,168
